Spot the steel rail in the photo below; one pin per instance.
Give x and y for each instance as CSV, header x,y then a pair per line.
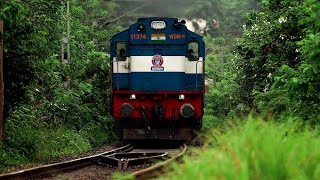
x,y
157,169
52,169
124,160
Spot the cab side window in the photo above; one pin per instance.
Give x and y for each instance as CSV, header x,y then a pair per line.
x,y
193,51
121,51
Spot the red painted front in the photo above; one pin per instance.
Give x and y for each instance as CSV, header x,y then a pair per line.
x,y
169,100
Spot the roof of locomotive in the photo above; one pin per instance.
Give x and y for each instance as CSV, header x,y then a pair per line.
x,y
148,20
174,35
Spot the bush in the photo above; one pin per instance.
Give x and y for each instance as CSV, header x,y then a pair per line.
x,y
34,140
223,99
99,132
10,157
52,108
53,144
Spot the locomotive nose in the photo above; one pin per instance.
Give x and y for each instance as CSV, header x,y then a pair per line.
x,y
187,110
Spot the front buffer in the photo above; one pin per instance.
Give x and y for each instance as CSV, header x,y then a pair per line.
x,y
158,115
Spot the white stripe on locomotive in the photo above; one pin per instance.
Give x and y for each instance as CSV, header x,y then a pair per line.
x,y
170,64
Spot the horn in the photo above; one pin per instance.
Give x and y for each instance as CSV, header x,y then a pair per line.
x,y
183,22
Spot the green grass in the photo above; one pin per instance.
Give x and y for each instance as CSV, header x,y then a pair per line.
x,y
255,149
41,145
27,141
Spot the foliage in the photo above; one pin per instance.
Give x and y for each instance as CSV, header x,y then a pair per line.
x,y
31,139
223,91
301,84
279,65
52,108
223,99
10,157
269,42
254,149
27,40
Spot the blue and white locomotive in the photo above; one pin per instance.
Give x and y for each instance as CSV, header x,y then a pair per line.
x,y
157,79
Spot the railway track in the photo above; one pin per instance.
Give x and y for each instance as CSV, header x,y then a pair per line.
x,y
144,163
157,169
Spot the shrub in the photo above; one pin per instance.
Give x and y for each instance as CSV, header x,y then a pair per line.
x,y
11,157
53,144
34,140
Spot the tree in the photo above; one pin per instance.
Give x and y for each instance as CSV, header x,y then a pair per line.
x,y
278,58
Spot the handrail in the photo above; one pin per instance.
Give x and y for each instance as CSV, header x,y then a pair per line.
x,y
116,72
197,73
117,75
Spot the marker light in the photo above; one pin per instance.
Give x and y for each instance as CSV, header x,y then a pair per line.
x,y
141,27
158,25
181,97
176,22
133,96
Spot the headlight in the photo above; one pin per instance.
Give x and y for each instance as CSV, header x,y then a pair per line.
x,y
158,25
133,96
181,97
187,110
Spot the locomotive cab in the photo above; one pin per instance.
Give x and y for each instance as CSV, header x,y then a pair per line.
x,y
157,68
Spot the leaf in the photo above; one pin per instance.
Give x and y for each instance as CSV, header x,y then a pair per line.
x,y
294,80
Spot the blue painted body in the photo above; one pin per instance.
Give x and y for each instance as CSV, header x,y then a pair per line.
x,y
157,81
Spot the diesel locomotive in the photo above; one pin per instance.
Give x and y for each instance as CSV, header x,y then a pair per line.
x,y
157,87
